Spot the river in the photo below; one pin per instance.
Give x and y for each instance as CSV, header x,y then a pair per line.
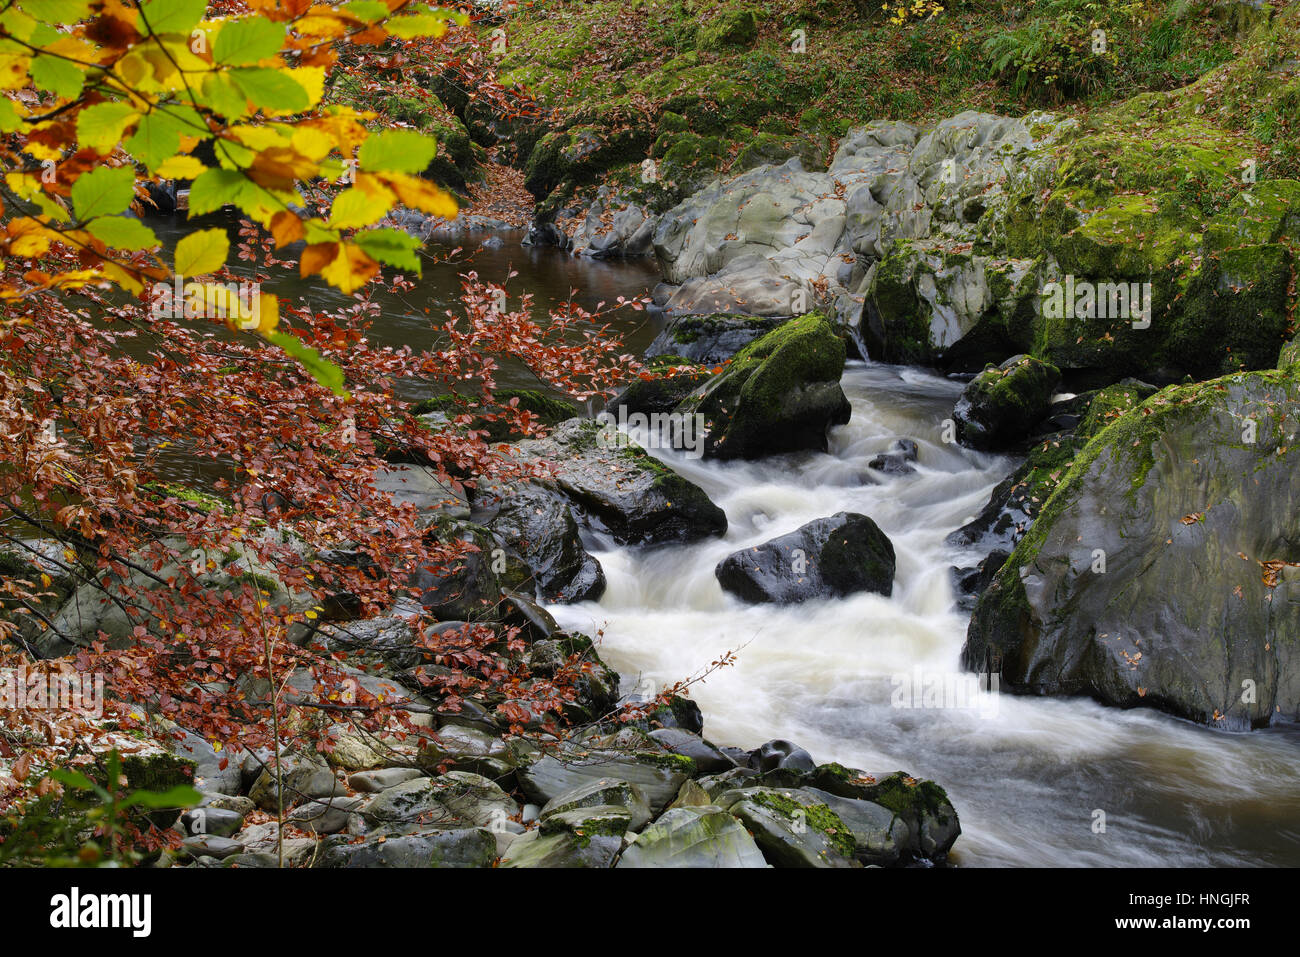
x,y
1027,775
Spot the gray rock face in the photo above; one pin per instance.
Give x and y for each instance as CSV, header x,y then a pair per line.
x,y
827,558
603,792
780,241
563,849
623,490
657,778
1158,574
703,836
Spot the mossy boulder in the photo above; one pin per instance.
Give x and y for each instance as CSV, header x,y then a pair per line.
x,y
1016,501
779,394
728,27
826,558
1161,572
1001,404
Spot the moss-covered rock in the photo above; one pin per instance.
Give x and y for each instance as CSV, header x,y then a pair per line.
x,y
779,394
729,27
1159,572
1001,404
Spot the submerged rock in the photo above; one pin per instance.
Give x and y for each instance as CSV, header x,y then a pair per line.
x,y
827,558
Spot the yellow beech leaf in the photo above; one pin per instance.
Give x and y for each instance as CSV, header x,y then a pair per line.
x,y
180,167
202,252
312,142
350,270
28,238
13,71
311,79
357,207
421,194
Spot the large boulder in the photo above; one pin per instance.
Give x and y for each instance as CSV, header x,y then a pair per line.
x,y
827,558
779,394
1162,570
623,490
1000,405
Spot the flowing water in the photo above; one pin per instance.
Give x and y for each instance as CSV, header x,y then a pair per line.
x,y
1027,775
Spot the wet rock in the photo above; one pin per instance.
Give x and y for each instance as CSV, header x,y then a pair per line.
x,y
779,754
898,460
537,524
325,817
827,558
658,777
372,782
563,849
464,847
703,836
781,393
420,487
209,845
710,339
1163,525
793,828
603,792
1000,406
213,821
707,758
621,489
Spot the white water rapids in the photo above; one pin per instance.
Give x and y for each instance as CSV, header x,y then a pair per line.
x,y
1026,775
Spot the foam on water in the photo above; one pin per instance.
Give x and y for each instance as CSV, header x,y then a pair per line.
x,y
1025,774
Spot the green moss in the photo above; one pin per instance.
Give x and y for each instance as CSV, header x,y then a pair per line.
x,y
730,27
157,772
749,395
201,500
911,798
817,816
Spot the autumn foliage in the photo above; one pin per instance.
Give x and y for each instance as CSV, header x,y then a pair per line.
x,y
290,412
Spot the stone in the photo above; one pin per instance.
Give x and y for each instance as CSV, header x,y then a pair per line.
x,y
694,837
826,558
